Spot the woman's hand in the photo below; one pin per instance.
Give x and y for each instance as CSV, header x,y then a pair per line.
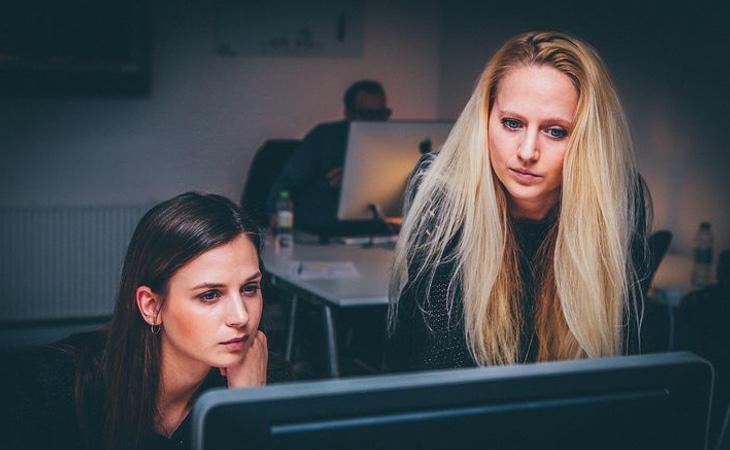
x,y
251,370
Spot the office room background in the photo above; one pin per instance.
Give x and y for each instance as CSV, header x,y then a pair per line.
x,y
207,112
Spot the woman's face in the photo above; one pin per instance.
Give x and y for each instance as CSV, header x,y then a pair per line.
x,y
529,128
213,307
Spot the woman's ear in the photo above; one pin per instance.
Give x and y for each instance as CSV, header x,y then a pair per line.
x,y
149,305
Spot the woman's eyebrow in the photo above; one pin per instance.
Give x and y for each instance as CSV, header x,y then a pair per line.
x,y
207,286
210,285
503,112
559,120
254,276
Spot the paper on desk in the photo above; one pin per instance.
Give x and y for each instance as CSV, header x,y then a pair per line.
x,y
322,270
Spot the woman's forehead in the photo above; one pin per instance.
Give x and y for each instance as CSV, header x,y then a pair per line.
x,y
537,89
227,262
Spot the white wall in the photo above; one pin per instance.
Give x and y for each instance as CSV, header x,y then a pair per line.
x,y
674,88
206,114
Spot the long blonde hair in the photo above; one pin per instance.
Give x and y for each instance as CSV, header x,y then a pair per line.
x,y
460,214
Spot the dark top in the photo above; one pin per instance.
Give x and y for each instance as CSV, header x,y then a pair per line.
x,y
40,412
305,176
427,337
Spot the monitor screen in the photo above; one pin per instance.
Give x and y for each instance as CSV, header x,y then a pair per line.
x,y
636,402
378,160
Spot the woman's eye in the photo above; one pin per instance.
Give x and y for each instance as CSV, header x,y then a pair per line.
x,y
512,124
251,289
209,296
557,133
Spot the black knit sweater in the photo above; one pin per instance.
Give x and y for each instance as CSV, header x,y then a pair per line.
x,y
39,409
432,339
428,336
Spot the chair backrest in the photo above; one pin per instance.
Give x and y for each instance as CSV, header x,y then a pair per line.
x,y
723,441
658,246
702,327
268,162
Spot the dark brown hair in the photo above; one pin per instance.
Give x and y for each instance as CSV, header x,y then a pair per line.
x,y
127,375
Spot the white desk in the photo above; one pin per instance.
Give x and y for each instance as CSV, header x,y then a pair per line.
x,y
369,288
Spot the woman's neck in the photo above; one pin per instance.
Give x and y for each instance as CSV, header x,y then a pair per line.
x,y
533,210
180,378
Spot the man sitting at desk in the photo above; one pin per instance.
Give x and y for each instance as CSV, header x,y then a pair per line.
x,y
313,174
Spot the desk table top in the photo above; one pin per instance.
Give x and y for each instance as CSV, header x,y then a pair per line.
x,y
369,286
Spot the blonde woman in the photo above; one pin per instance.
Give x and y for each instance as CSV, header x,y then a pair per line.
x,y
524,238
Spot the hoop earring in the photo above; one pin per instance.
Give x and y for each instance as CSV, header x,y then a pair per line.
x,y
155,329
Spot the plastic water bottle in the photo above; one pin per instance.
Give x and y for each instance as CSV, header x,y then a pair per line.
x,y
702,259
284,236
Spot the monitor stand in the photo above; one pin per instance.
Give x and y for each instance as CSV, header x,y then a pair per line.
x,y
376,232
379,217
346,231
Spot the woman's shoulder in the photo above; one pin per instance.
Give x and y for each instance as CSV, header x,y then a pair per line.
x,y
423,164
413,182
56,363
36,374
41,382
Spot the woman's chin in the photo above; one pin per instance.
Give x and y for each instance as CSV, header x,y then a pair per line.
x,y
527,194
227,360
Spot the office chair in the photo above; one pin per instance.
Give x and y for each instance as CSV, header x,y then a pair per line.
x,y
703,317
657,330
267,163
658,244
723,441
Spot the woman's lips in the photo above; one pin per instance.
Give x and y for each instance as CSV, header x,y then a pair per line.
x,y
524,176
236,344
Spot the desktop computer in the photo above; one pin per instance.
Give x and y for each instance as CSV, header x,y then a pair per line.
x,y
378,159
636,402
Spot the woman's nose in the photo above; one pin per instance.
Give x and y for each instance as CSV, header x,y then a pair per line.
x,y
237,314
528,150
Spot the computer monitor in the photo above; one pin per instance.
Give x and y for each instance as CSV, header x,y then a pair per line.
x,y
379,157
637,402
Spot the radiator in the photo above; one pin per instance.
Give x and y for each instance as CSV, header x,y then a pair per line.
x,y
62,262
